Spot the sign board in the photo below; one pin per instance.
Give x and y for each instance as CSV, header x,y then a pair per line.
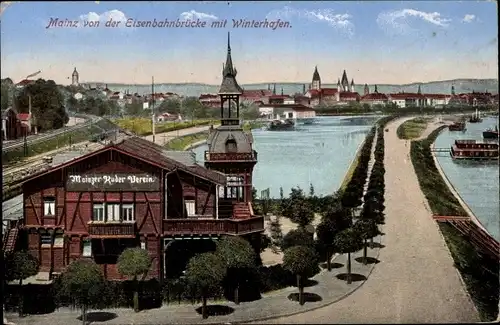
x,y
112,182
234,181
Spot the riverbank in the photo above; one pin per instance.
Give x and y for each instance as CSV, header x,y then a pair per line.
x,y
412,129
352,167
479,273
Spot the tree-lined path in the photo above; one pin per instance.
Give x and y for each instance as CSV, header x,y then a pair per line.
x,y
415,281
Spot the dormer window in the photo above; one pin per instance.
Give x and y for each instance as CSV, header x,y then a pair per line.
x,y
231,146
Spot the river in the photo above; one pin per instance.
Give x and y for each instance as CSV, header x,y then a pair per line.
x,y
476,182
318,154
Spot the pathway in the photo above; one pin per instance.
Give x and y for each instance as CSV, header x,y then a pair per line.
x,y
165,137
416,281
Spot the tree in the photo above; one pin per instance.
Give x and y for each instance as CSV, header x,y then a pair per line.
x,y
205,272
346,242
134,109
84,282
171,106
192,108
297,237
19,266
134,262
7,88
298,208
276,233
367,229
47,104
239,256
326,232
302,261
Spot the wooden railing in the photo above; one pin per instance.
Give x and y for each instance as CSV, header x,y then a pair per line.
x,y
212,226
230,156
112,230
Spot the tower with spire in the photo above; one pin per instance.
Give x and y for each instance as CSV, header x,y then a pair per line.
x,y
229,147
316,80
366,90
352,86
75,78
344,82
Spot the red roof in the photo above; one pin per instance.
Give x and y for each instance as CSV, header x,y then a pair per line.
x,y
24,82
279,96
329,91
348,94
208,96
23,116
437,96
256,93
406,96
374,97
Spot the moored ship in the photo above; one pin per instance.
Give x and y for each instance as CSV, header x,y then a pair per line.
x,y
457,126
491,133
281,125
475,117
474,150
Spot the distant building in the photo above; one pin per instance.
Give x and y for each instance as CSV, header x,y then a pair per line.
x,y
75,78
343,94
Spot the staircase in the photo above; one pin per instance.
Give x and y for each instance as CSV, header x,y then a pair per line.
x,y
241,210
10,239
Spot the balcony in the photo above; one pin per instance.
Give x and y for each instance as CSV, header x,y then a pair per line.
x,y
112,229
230,156
213,226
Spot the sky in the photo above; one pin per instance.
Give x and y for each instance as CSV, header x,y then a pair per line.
x,y
386,42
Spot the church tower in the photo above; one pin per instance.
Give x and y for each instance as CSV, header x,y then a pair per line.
x,y
344,82
352,86
229,147
316,81
367,89
74,78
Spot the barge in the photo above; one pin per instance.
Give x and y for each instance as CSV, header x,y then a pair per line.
x,y
474,150
491,133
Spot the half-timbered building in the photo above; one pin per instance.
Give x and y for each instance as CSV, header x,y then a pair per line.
x,y
129,194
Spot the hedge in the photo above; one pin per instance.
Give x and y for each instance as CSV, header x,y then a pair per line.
x,y
119,294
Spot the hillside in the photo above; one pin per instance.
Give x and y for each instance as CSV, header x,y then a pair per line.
x,y
435,87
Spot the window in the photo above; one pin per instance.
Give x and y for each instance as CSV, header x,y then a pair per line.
x,y
231,146
143,245
46,239
113,212
190,208
128,213
49,206
59,240
87,248
98,212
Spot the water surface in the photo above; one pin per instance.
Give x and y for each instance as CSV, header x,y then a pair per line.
x,y
318,154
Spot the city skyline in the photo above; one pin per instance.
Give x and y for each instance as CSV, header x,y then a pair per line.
x,y
379,42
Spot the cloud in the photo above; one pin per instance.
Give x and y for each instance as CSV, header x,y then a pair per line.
x,y
468,18
398,20
115,15
328,16
191,15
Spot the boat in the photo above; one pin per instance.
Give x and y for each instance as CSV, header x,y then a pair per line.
x,y
306,121
457,126
491,133
474,150
475,117
281,125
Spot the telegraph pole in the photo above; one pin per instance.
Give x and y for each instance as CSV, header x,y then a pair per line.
x,y
153,107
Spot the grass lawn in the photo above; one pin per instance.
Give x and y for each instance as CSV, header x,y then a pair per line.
x,y
413,128
180,143
143,126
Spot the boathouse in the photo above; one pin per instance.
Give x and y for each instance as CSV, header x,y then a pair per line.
x,y
129,194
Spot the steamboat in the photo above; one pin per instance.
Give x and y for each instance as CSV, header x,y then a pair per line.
x,y
474,150
475,117
457,126
491,133
281,125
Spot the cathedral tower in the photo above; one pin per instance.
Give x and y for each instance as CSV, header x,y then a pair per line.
x,y
316,81
74,78
229,147
344,82
367,89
